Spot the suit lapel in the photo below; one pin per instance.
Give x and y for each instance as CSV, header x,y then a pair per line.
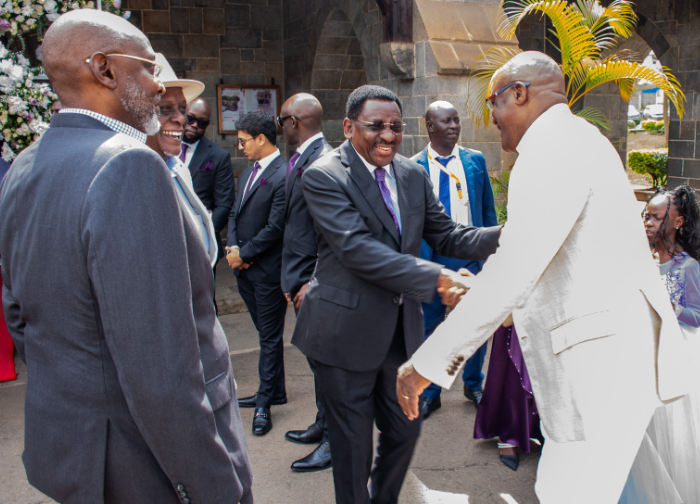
x,y
203,148
266,174
245,176
406,197
368,188
301,162
471,184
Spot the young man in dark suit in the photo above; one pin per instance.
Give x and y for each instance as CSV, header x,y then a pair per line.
x,y
210,167
300,120
462,184
254,250
361,316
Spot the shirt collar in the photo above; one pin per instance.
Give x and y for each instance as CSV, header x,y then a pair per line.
x,y
110,122
433,153
306,144
191,146
264,162
371,167
552,115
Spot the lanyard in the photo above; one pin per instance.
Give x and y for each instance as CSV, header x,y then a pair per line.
x,y
452,175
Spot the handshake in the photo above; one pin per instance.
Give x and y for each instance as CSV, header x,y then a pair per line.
x,y
451,285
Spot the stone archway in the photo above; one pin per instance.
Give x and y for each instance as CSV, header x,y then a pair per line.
x,y
338,68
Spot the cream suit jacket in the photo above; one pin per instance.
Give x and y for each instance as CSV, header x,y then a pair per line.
x,y
574,268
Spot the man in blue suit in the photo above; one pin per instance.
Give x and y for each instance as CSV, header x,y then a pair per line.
x,y
461,182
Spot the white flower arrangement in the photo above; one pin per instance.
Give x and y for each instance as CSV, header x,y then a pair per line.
x,y
25,105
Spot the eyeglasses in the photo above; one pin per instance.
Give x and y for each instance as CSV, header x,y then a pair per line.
x,y
201,123
242,142
378,126
491,100
157,69
280,120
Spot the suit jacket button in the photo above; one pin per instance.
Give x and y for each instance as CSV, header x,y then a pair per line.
x,y
396,299
186,500
460,358
180,487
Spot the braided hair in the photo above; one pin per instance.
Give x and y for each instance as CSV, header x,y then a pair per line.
x,y
688,235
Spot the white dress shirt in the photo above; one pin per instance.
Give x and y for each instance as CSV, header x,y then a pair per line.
x,y
302,148
459,208
390,180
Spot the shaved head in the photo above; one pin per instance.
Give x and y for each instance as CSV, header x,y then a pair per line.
x,y
201,111
304,114
443,125
528,85
201,108
79,34
98,61
438,107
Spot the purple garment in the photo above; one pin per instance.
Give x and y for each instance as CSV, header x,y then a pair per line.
x,y
681,276
507,409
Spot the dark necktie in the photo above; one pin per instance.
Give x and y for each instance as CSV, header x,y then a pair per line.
x,y
183,154
379,175
292,162
445,185
256,167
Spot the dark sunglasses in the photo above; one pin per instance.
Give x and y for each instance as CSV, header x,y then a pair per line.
x,y
378,126
201,123
491,100
280,120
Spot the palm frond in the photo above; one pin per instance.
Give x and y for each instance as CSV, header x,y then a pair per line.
x,y
623,72
575,38
480,81
595,117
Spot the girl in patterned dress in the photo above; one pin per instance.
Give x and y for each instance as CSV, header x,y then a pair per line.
x,y
668,464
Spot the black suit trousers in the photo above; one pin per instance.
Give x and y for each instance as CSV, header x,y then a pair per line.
x,y
267,306
354,401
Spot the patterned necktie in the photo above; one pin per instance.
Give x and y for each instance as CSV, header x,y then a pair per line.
x,y
445,185
380,175
183,154
292,162
256,167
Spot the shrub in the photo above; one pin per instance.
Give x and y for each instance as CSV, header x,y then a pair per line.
x,y
652,126
652,162
631,124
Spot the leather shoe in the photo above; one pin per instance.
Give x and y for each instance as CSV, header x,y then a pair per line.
x,y
511,461
317,460
473,395
428,405
262,423
250,401
309,436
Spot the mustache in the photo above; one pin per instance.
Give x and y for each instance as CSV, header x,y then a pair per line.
x,y
384,142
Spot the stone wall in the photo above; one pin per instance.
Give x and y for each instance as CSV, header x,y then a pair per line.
x,y
217,41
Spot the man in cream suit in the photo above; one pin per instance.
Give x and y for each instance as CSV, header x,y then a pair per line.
x,y
597,331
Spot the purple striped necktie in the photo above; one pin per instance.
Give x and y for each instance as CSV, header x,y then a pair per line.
x,y
292,162
380,175
256,167
183,154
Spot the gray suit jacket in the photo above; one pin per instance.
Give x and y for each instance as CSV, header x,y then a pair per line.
x,y
299,252
107,295
365,269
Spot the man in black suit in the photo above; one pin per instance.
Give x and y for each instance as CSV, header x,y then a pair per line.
x,y
254,250
361,317
210,166
300,120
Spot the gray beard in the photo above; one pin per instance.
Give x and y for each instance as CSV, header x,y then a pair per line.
x,y
141,109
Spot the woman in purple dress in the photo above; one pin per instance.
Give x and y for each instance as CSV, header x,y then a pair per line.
x,y
507,409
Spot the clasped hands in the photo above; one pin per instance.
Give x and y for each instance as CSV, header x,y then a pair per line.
x,y
234,259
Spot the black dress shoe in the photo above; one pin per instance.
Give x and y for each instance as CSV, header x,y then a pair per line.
x,y
262,423
249,402
428,405
511,461
309,436
317,460
473,395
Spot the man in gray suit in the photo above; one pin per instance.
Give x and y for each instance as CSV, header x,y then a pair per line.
x,y
361,317
130,393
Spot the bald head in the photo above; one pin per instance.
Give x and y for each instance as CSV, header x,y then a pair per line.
x,y
201,108
201,111
77,35
535,67
305,114
438,108
527,85
443,125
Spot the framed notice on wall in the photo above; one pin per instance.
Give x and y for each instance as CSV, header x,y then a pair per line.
x,y
234,101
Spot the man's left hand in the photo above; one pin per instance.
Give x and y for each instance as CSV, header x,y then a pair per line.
x,y
409,386
300,295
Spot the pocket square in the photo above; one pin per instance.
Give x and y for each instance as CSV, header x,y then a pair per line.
x,y
263,181
300,171
207,166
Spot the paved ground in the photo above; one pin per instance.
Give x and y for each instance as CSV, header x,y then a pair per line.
x,y
449,467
